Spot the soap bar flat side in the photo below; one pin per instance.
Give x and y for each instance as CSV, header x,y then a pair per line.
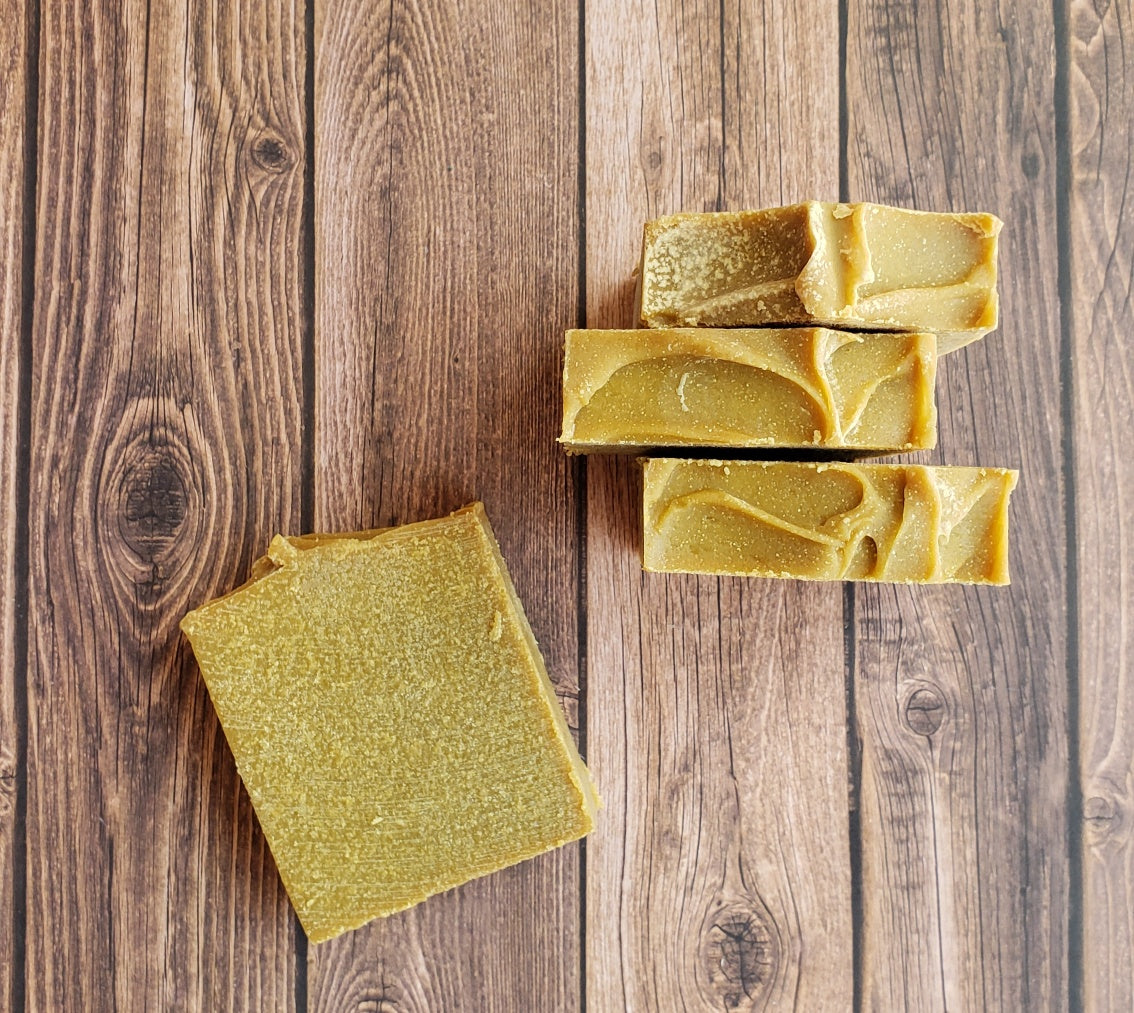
x,y
627,390
391,717
818,521
860,265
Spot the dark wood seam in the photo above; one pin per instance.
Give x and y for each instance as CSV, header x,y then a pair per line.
x,y
23,499
579,467
854,752
307,453
1074,800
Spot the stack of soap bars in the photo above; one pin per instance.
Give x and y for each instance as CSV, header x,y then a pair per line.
x,y
815,326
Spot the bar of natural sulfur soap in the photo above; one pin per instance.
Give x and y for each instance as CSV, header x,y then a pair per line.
x,y
390,714
892,522
748,387
843,265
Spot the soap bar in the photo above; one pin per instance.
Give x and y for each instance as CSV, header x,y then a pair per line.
x,y
877,522
843,265
391,716
747,387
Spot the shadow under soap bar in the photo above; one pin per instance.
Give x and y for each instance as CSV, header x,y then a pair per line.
x,y
841,265
625,390
391,716
877,522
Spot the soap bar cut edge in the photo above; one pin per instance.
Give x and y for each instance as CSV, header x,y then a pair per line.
x,y
580,384
999,568
948,339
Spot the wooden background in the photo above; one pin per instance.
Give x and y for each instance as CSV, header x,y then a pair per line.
x,y
275,266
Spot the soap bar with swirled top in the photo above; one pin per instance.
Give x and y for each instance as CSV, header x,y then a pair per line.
x,y
839,265
390,714
877,522
625,390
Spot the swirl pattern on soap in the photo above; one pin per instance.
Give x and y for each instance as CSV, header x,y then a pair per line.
x,y
828,522
866,265
750,388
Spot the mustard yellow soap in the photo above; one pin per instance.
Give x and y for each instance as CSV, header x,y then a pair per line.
x,y
866,266
626,390
879,522
391,716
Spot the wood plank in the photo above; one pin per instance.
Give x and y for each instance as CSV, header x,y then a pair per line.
x,y
961,694
716,725
446,238
1102,259
13,82
166,449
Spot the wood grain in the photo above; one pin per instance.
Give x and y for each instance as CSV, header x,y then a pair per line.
x,y
1101,83
719,876
961,695
447,227
13,68
166,435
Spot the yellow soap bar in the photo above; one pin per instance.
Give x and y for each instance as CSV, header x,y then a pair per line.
x,y
842,265
878,522
747,387
391,716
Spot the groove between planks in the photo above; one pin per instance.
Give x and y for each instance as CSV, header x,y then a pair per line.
x,y
15,171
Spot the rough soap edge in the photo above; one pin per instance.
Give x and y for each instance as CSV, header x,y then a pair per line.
x,y
984,223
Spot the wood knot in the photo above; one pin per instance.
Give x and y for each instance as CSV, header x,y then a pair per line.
x,y
384,999
740,957
270,153
1101,814
155,502
155,508
925,710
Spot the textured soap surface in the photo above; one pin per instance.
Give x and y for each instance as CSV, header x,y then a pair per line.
x,y
878,522
625,390
391,717
843,265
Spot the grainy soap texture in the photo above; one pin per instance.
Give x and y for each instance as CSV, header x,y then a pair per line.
x,y
842,265
878,522
391,717
625,390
